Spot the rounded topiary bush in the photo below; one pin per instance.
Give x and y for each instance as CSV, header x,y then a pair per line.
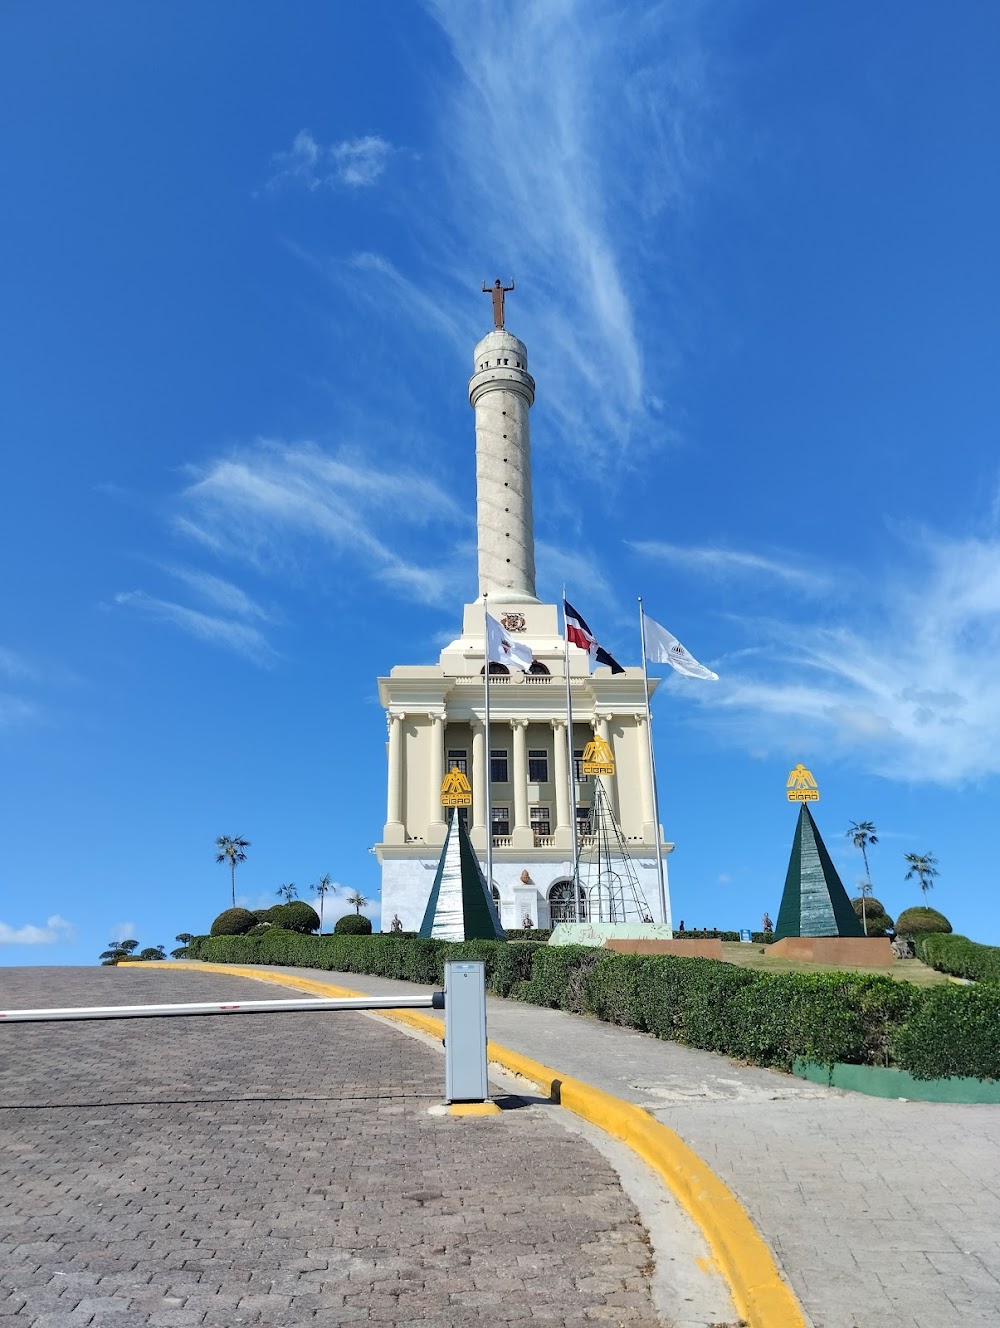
x,y
296,916
263,914
873,908
921,921
260,929
233,922
353,924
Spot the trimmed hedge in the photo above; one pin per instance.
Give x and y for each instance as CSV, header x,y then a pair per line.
x,y
765,1018
960,957
296,915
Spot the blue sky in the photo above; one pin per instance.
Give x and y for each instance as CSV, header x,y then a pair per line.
x,y
757,273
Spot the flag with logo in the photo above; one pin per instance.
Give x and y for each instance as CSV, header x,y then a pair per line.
x,y
501,648
579,634
662,647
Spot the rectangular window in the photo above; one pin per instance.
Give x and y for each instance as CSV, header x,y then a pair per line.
x,y
538,765
583,820
541,820
498,766
501,820
458,759
578,774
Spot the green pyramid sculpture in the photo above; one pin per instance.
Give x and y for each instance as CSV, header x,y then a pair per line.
x,y
814,902
460,907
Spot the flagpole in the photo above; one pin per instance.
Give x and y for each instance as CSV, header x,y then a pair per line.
x,y
572,772
487,772
652,771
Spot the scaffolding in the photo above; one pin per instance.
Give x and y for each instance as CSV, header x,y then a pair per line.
x,y
608,880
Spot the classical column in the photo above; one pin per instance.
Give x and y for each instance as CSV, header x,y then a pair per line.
x,y
436,827
394,830
522,833
602,726
480,774
564,838
649,830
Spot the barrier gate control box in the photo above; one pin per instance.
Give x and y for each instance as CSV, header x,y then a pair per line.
x,y
465,1031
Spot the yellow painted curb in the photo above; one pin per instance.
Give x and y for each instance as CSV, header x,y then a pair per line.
x,y
760,1293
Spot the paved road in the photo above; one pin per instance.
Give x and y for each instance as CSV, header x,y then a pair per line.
x,y
282,1170
881,1213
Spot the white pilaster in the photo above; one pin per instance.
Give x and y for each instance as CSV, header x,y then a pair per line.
x,y
602,727
522,834
649,830
436,822
480,774
563,827
394,831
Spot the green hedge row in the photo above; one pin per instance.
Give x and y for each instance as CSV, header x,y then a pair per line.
x,y
765,1018
960,957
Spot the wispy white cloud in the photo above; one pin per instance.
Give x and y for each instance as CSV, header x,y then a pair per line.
x,y
717,562
56,928
541,158
268,502
353,163
226,632
909,686
122,931
223,594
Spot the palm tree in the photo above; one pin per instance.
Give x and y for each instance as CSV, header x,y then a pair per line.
x,y
322,888
861,834
287,892
924,867
231,851
358,901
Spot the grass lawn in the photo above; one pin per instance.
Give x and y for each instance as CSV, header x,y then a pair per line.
x,y
757,956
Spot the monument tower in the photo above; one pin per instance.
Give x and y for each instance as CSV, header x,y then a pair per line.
x,y
435,712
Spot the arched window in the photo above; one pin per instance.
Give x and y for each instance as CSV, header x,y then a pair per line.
x,y
496,898
561,902
495,669
538,667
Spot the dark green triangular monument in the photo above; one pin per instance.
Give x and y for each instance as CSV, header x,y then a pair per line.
x,y
814,902
460,907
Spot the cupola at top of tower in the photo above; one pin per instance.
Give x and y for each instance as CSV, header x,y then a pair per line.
x,y
500,349
501,361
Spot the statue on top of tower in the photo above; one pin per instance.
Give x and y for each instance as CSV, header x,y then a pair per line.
x,y
498,290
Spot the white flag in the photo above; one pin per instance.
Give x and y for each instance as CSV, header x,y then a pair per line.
x,y
501,648
662,647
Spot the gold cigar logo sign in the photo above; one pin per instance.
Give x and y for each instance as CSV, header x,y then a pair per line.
x,y
801,785
598,758
455,789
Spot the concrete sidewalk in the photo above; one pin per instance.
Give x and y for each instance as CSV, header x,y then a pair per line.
x,y
880,1212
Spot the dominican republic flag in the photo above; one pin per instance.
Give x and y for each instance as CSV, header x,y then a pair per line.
x,y
579,634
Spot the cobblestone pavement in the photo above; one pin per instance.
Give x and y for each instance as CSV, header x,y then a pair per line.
x,y
283,1170
883,1214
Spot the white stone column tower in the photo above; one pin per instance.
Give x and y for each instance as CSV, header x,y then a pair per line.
x,y
502,391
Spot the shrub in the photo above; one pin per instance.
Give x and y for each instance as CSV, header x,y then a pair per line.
x,y
294,916
956,1031
541,934
873,908
921,921
352,924
151,952
233,922
880,926
960,957
764,1018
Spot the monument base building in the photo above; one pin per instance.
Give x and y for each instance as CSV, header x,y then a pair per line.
x,y
436,712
